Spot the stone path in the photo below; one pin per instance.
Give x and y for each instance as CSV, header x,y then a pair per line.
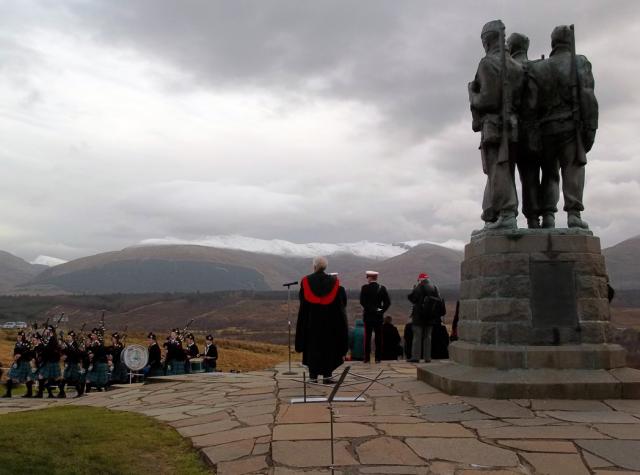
x,y
244,423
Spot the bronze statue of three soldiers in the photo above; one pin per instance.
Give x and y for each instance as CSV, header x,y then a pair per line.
x,y
538,115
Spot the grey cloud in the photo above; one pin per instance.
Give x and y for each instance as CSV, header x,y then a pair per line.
x,y
406,62
410,59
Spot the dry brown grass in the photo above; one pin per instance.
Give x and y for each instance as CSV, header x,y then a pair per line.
x,y
233,354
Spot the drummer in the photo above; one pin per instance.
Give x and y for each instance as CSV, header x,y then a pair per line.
x,y
210,355
191,351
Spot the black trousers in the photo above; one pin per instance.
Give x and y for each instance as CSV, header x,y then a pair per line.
x,y
374,328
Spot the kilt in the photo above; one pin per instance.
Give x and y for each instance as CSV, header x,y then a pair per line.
x,y
99,374
120,373
175,367
49,370
71,372
20,372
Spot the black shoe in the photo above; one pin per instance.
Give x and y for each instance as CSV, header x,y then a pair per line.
x,y
62,395
377,361
367,360
328,381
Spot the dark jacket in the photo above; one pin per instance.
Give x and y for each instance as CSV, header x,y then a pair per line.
x,y
193,351
116,352
72,353
154,356
210,356
321,330
99,352
375,301
51,351
391,347
22,349
416,297
175,351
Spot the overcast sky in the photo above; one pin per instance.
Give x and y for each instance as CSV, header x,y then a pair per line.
x,y
329,121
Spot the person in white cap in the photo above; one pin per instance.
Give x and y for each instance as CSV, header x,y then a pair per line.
x,y
375,301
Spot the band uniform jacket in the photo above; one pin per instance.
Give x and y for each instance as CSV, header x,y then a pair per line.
x,y
375,301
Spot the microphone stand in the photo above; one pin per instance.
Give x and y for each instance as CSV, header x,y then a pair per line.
x,y
288,286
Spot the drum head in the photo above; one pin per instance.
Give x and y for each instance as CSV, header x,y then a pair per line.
x,y
135,357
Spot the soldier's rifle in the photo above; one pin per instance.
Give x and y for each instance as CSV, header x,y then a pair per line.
x,y
503,153
575,99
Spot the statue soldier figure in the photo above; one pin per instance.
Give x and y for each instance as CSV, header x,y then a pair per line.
x,y
495,96
568,113
529,143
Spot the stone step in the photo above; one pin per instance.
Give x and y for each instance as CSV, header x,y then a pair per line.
x,y
458,379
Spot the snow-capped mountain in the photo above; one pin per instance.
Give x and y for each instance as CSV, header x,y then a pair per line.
x,y
279,247
48,261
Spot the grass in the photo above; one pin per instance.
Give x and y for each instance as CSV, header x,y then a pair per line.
x,y
87,440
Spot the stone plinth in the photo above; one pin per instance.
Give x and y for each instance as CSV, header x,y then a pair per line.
x,y
524,288
534,320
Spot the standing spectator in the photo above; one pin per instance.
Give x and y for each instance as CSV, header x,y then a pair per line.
x,y
428,308
356,341
391,347
375,302
322,331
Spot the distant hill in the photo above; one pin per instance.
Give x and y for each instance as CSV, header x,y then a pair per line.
x,y
191,268
15,271
622,264
180,268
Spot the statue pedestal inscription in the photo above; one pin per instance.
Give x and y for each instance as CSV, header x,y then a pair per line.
x,y
534,321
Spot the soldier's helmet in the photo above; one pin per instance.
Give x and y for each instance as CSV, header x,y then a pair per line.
x,y
561,35
493,26
518,42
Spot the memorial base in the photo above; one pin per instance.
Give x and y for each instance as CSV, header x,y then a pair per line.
x,y
545,383
534,321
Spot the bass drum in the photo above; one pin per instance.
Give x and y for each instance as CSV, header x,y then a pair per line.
x,y
135,357
196,365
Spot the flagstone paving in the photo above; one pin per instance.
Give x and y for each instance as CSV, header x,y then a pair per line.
x,y
245,423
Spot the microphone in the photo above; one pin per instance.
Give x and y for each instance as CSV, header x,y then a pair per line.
x,y
289,284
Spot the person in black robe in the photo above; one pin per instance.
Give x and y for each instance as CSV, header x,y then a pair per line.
x,y
391,347
322,334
